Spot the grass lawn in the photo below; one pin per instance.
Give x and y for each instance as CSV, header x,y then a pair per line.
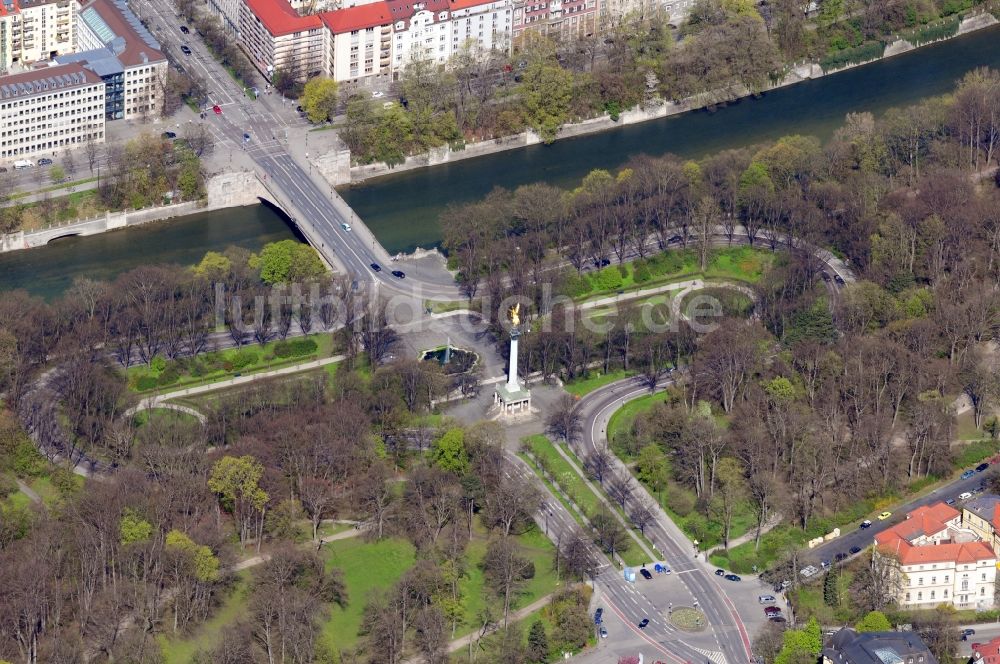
x,y
974,452
582,386
220,365
622,419
368,567
164,415
966,427
208,634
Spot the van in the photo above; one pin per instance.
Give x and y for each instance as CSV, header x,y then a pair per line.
x,y
22,164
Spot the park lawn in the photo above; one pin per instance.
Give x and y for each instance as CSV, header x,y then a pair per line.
x,y
741,263
966,427
558,494
622,419
18,500
368,567
208,634
567,478
580,387
975,452
164,415
225,364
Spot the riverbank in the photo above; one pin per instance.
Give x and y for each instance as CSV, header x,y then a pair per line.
x,y
223,190
336,167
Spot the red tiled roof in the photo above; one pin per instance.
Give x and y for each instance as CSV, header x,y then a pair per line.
x,y
988,653
403,9
925,520
464,4
928,520
361,17
279,18
13,10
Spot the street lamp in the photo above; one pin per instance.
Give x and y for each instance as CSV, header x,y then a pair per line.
x,y
695,548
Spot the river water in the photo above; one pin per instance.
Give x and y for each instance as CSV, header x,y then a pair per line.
x,y
402,210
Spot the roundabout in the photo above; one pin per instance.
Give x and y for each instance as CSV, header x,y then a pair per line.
x,y
687,618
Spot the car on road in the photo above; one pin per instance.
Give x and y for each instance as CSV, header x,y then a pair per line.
x,y
765,599
720,572
777,619
598,615
645,574
965,495
825,564
840,556
169,135
950,501
661,568
185,49
399,274
246,137
772,610
865,524
839,279
981,467
643,623
184,29
824,275
967,632
604,633
3,169
375,267
217,109
967,474
855,550
346,226
884,515
44,161
732,577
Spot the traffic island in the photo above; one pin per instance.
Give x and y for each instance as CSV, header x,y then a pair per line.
x,y
687,618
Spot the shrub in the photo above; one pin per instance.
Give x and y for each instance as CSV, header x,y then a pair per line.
x,y
679,501
640,273
851,56
243,358
158,363
295,348
607,279
575,284
169,376
7,486
145,383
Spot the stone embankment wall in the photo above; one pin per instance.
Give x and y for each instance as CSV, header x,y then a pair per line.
x,y
223,191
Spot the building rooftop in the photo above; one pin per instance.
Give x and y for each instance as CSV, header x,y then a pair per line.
x,y
849,647
986,653
121,32
925,521
360,17
985,507
280,18
101,61
45,80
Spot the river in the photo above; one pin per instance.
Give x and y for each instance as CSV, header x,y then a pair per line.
x,y
402,210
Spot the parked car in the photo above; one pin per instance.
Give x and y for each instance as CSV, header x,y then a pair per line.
x,y
839,279
825,564
378,94
3,169
967,474
645,574
772,611
765,599
399,274
598,616
967,632
185,49
865,524
184,29
733,577
855,550
604,633
981,467
346,226
44,161
674,239
169,135
217,109
720,572
643,623
965,495
840,556
884,515
376,267
950,501
777,619
824,275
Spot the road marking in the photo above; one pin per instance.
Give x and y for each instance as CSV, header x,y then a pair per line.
x,y
714,655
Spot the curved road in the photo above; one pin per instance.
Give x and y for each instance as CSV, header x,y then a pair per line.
x,y
730,634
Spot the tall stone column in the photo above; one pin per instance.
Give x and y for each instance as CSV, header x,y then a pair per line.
x,y
512,383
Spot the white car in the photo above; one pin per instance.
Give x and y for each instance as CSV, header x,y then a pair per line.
x,y
378,94
965,495
765,599
346,226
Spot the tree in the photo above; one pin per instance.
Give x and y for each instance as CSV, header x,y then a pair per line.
x,y
731,494
873,621
319,99
506,569
288,261
801,646
57,173
564,421
546,91
538,643
237,482
449,451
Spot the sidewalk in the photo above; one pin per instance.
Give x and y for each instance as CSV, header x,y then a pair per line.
x,y
264,557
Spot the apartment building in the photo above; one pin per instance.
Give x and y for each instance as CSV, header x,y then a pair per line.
x,y
117,47
35,30
941,561
849,647
566,19
981,515
276,38
47,109
360,42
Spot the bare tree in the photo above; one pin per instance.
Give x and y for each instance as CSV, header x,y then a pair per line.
x,y
564,421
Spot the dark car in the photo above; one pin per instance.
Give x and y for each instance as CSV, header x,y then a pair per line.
x,y
865,524
967,474
298,109
185,50
598,616
602,262
184,29
772,610
675,239
966,633
840,556
855,549
643,623
981,467
44,161
169,135
645,574
777,619
3,169
720,572
950,501
824,275
733,577
376,267
399,274
839,279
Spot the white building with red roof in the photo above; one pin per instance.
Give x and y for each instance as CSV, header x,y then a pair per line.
x,y
360,42
277,39
940,561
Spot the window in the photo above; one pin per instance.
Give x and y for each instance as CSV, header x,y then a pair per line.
x,y
920,597
932,594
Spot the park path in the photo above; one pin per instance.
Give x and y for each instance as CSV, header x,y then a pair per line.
x,y
264,557
29,492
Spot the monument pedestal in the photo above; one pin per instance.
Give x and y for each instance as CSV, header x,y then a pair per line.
x,y
512,401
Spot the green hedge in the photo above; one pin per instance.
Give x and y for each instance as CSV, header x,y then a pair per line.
x,y
852,56
935,32
295,348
